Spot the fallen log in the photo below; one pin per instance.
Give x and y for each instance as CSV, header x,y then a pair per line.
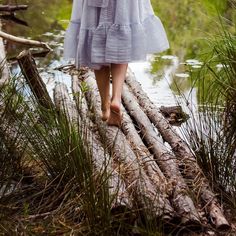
x,y
188,164
165,159
34,80
117,191
145,195
12,8
13,18
24,41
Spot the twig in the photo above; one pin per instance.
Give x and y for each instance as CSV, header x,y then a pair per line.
x,y
30,217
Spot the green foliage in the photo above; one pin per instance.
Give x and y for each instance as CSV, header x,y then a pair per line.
x,y
188,21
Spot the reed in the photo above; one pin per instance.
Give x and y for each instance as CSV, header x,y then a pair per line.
x,y
49,184
212,130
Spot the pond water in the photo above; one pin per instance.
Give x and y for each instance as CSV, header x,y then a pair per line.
x,y
160,75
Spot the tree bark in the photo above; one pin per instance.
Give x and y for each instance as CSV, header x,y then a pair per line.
x,y
187,161
31,74
165,159
146,196
64,103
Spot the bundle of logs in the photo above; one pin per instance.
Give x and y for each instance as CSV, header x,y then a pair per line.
x,y
148,174
152,167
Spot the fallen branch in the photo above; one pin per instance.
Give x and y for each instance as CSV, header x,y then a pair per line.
x,y
24,41
12,8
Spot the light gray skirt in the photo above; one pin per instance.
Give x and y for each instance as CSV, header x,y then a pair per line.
x,y
102,32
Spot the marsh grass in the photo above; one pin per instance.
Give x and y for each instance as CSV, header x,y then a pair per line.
x,y
61,179
49,184
211,131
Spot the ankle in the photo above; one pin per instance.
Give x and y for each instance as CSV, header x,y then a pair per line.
x,y
105,105
116,101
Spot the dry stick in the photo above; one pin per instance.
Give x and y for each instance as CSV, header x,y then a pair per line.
x,y
64,103
11,8
5,74
146,196
24,41
165,159
31,74
191,170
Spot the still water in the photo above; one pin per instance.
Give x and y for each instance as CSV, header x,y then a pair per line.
x,y
160,75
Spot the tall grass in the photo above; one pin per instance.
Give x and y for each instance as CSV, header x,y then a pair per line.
x,y
47,168
212,131
49,183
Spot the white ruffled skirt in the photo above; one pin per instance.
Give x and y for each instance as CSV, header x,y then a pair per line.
x,y
102,32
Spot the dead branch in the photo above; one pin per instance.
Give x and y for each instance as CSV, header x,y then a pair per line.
x,y
12,8
24,41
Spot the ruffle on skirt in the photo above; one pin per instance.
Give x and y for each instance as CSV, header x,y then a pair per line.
x,y
114,43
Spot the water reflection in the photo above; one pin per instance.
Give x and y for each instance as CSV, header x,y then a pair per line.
x,y
161,76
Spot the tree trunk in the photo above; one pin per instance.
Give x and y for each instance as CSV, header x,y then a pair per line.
x,y
144,156
187,161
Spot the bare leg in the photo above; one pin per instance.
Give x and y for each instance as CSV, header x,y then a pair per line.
x,y
103,83
118,72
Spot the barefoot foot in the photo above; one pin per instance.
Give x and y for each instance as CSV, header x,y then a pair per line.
x,y
115,115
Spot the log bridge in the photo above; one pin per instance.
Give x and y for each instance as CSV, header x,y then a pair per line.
x,y
151,167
